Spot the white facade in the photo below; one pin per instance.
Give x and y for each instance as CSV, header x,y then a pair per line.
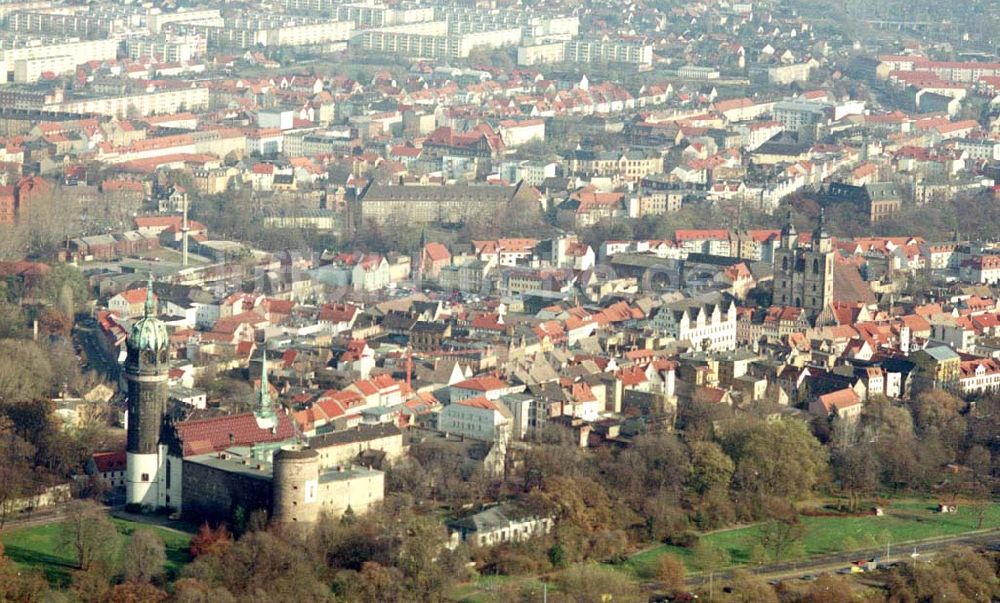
x,y
706,326
81,51
151,103
475,418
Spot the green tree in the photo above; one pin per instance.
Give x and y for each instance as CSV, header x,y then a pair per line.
x,y
780,460
711,468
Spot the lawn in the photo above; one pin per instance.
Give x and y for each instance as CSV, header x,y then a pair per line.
x,y
486,589
903,522
39,547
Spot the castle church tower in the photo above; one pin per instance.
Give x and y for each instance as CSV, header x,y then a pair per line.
x,y
146,371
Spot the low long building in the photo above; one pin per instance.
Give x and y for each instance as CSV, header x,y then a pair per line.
x,y
437,204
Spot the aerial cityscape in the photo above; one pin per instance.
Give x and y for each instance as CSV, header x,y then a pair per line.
x,y
499,301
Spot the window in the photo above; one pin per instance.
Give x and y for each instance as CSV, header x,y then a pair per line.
x,y
815,266
145,477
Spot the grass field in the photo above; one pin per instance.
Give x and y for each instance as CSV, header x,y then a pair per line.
x,y
488,589
39,547
903,521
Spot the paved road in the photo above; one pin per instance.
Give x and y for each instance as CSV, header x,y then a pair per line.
x,y
85,333
35,518
830,563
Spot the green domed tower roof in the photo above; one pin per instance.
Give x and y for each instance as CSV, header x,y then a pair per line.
x,y
148,340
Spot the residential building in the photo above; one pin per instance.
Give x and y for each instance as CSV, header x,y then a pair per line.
x,y
477,418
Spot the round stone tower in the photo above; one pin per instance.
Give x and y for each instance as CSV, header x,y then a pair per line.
x,y
147,372
295,485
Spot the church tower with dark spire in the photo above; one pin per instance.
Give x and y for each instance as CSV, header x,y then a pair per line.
x,y
803,273
146,371
817,281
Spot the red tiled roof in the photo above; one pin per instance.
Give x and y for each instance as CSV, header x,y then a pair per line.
x,y
840,399
109,461
337,313
482,384
134,296
437,252
478,402
218,433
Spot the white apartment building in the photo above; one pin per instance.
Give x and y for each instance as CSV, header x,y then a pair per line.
x,y
43,49
155,20
166,48
795,114
754,134
786,74
367,16
515,133
979,376
540,54
475,418
306,34
975,149
65,22
149,103
27,71
606,50
434,39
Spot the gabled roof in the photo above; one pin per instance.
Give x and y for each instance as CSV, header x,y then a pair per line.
x,y
482,384
485,404
437,252
839,400
109,461
218,433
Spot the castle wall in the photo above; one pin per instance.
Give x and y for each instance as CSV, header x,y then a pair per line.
x,y
214,492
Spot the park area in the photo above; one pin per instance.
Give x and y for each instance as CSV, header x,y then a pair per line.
x,y
903,521
39,547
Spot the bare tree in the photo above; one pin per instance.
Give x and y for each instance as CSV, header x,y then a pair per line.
x,y
16,476
92,536
145,556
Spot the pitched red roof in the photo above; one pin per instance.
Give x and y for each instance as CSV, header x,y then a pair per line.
x,y
218,433
437,252
482,384
109,461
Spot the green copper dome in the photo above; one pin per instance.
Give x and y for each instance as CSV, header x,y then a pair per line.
x,y
149,334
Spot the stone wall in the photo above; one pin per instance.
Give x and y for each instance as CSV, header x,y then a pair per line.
x,y
214,494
